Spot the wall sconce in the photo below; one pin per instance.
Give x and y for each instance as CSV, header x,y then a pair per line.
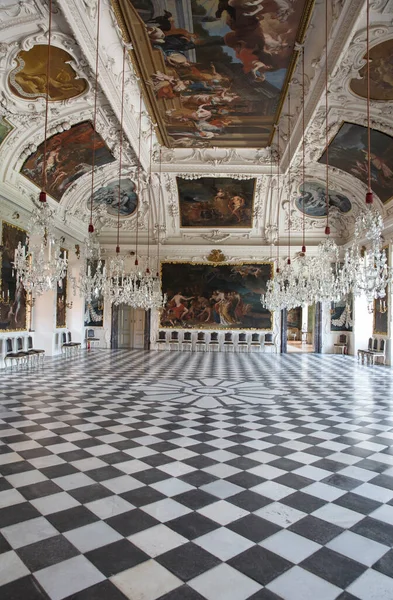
x,y
69,304
382,306
77,251
30,302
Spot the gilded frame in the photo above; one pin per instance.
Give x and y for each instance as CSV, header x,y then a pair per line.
x,y
148,94
25,328
10,130
187,227
218,264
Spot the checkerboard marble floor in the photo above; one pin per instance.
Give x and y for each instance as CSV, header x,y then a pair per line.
x,y
176,476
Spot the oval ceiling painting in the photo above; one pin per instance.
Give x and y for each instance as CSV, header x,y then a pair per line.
x,y
381,74
28,79
217,70
109,197
312,200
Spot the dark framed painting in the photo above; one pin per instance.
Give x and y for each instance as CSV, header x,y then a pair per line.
x,y
348,152
216,202
13,308
381,69
209,296
5,129
108,196
216,71
341,315
312,200
94,310
382,309
294,318
61,298
69,155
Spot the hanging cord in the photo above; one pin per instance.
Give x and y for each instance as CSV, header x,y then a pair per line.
x,y
44,162
271,189
303,153
138,175
121,150
289,175
278,198
150,185
93,141
369,195
159,215
327,228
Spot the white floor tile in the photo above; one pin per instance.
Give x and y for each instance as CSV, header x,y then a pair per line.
x,y
357,547
223,512
166,510
157,540
109,507
291,546
147,581
280,514
28,532
92,536
223,543
11,568
298,584
68,577
372,585
172,487
224,582
338,515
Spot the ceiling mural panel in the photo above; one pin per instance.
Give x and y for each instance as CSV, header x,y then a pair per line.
x,y
216,202
381,74
312,200
28,79
69,155
217,70
5,129
108,196
348,151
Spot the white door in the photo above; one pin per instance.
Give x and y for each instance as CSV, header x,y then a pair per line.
x,y
124,326
138,328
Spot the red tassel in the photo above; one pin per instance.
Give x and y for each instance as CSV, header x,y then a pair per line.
x,y
277,270
136,262
117,249
42,196
327,230
303,249
288,261
91,228
147,270
369,198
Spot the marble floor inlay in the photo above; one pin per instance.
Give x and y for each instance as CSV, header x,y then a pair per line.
x,y
194,476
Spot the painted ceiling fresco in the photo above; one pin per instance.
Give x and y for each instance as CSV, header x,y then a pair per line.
x,y
216,71
381,74
28,79
108,196
348,151
312,200
216,202
69,155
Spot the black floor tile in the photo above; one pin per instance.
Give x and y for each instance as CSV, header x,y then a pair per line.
x,y
192,525
375,530
385,564
195,499
260,564
334,567
182,593
188,561
315,529
142,496
101,591
116,557
26,588
47,552
131,522
254,528
65,520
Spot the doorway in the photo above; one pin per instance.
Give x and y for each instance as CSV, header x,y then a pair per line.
x,y
131,327
301,329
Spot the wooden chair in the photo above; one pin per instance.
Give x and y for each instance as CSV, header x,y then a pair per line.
x,y
18,356
255,344
187,341
268,342
242,344
379,351
91,339
214,344
228,342
200,343
34,353
174,341
342,344
161,340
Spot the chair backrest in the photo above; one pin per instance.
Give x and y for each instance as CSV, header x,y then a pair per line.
x,y
382,345
370,343
64,337
201,336
242,337
29,343
175,336
375,344
187,336
19,344
268,337
90,333
162,336
214,336
228,337
69,336
8,345
343,339
255,337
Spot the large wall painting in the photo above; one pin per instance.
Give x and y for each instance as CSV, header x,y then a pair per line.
x,y
28,79
226,296
216,202
312,200
61,298
382,309
94,310
108,196
5,129
341,315
13,310
348,151
69,155
294,318
217,70
381,70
